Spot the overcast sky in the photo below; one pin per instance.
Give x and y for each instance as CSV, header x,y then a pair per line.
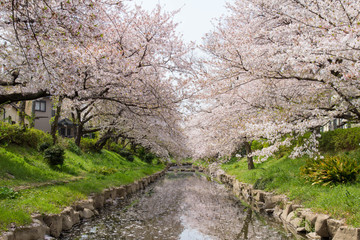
x,y
195,16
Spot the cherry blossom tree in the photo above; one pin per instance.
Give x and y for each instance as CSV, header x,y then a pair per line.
x,y
92,54
295,63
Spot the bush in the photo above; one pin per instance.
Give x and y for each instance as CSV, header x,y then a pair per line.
x,y
88,145
340,140
104,171
72,147
15,134
114,147
149,158
44,146
130,158
331,169
55,155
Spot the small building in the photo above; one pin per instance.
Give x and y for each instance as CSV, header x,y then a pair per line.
x,y
66,128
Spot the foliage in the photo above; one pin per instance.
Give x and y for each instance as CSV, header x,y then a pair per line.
x,y
55,155
127,154
71,146
8,193
104,170
149,158
331,169
261,183
88,145
44,146
340,140
15,134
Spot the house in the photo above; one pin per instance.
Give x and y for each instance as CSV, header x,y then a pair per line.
x,y
10,114
39,113
66,128
335,124
42,110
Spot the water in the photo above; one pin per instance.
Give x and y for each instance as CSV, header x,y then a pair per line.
x,y
181,206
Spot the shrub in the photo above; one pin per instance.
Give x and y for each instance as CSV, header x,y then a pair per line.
x,y
15,134
8,193
331,169
114,147
340,140
55,155
149,158
88,145
130,158
104,171
72,147
44,146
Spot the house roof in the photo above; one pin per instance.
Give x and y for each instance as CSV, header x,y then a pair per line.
x,y
65,122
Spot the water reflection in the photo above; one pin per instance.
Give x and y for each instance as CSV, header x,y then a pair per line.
x,y
181,206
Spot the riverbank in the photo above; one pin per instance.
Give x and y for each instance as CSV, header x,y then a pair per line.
x,y
30,186
283,176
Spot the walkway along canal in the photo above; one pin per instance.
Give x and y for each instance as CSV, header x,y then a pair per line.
x,y
182,205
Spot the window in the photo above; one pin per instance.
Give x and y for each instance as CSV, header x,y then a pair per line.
x,y
40,106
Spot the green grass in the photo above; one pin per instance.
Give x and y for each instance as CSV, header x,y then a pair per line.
x,y
97,171
283,176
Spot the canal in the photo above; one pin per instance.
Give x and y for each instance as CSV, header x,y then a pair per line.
x,y
183,206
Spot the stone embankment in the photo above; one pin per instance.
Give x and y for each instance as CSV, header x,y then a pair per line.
x,y
295,217
47,226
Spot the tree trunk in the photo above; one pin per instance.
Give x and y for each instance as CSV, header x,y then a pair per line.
x,y
248,152
55,120
76,119
22,114
78,134
102,141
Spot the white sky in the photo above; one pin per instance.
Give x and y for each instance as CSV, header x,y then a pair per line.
x,y
195,16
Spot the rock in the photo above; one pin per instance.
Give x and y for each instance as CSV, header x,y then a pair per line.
x,y
35,231
67,223
334,225
294,220
300,230
313,236
80,205
259,195
54,222
99,201
288,209
277,213
347,233
86,213
272,200
269,211
321,227
69,218
121,192
310,217
7,236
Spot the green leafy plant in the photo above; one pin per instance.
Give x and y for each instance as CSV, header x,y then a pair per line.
x,y
8,193
72,147
331,169
44,146
104,170
340,140
89,145
55,155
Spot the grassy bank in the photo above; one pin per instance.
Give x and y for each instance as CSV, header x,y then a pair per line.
x,y
23,167
283,176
